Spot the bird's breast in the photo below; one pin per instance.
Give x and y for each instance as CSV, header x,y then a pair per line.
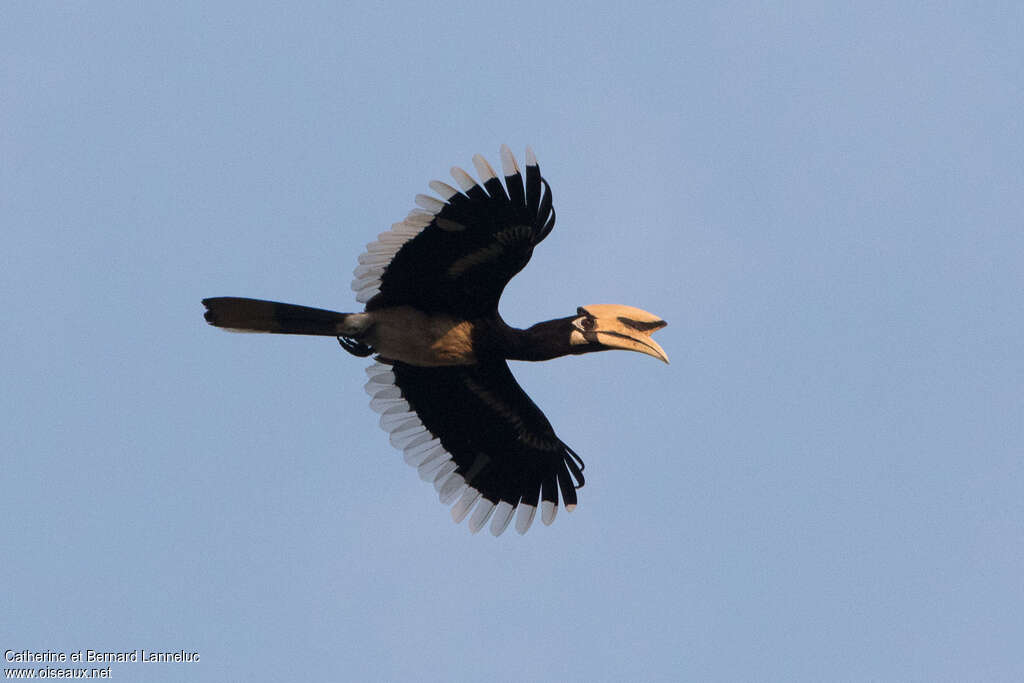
x,y
405,334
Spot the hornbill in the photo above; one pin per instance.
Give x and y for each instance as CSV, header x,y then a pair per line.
x,y
441,382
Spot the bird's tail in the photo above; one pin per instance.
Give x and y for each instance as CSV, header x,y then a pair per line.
x,y
256,315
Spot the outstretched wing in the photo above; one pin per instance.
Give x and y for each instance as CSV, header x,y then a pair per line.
x,y
456,254
478,437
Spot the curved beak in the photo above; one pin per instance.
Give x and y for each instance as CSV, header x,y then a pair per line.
x,y
626,328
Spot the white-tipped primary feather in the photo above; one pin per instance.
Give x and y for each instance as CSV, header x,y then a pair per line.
x,y
366,284
508,162
370,258
502,516
405,230
443,473
419,218
547,512
417,440
403,426
385,393
378,372
465,504
524,518
363,271
402,439
359,284
464,180
429,203
377,248
531,160
480,515
375,272
435,454
483,169
444,189
396,421
374,373
374,385
428,468
424,446
377,368
396,408
417,453
367,293
382,405
361,281
451,489
392,238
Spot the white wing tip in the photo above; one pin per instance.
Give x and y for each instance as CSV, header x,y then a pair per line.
x,y
444,189
508,162
480,515
483,169
442,475
525,517
531,160
464,180
502,516
548,510
465,504
429,203
452,489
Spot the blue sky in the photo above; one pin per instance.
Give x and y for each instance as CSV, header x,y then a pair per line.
x,y
825,202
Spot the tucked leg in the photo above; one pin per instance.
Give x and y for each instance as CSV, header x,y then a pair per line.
x,y
355,347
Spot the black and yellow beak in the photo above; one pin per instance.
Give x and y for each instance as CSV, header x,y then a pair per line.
x,y
612,326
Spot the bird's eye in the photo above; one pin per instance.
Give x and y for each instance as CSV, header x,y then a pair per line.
x,y
587,324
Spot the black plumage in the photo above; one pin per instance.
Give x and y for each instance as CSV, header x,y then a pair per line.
x,y
495,420
460,263
441,381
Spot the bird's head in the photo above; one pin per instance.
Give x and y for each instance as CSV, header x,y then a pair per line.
x,y
609,326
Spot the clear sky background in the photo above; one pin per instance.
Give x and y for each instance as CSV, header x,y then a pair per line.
x,y
826,203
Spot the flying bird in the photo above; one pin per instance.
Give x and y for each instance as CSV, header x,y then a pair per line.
x,y
440,379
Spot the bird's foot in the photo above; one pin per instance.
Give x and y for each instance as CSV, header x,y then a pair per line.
x,y
356,348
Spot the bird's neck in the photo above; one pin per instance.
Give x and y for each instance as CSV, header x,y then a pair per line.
x,y
543,341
